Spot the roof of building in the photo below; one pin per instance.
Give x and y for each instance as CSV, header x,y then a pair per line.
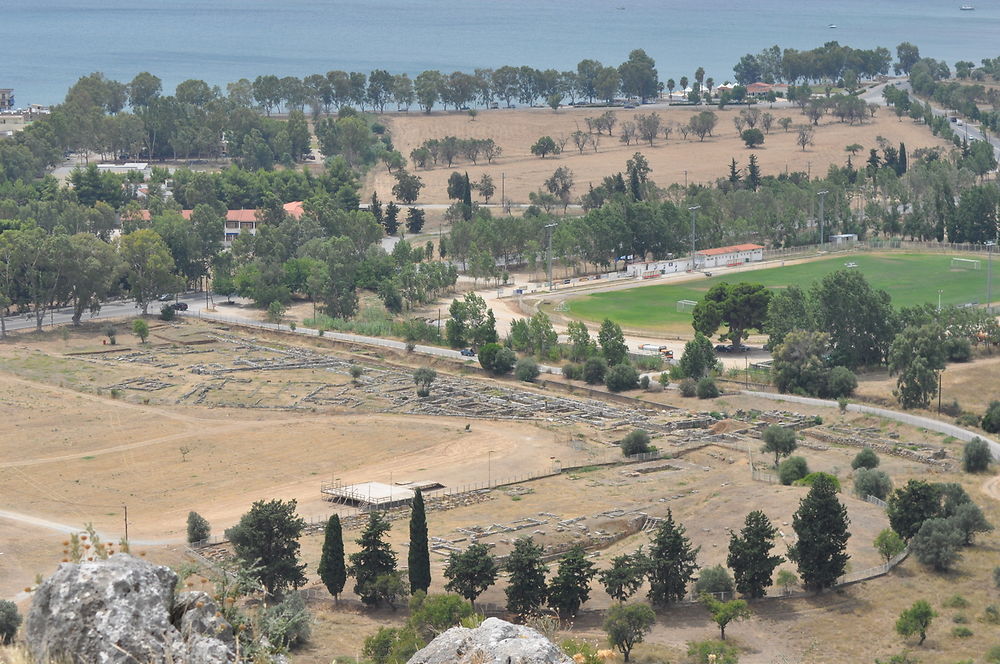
x,y
759,86
231,215
293,209
729,250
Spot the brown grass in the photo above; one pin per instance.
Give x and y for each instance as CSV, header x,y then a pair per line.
x,y
516,130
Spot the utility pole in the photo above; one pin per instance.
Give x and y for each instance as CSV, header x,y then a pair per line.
x,y
822,200
503,191
692,209
126,522
549,227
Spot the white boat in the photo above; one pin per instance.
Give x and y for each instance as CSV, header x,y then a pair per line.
x,y
832,26
966,8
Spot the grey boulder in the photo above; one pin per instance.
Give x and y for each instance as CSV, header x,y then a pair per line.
x,y
495,641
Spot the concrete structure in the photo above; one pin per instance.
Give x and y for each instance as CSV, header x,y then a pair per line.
x,y
843,238
375,495
127,167
729,256
6,99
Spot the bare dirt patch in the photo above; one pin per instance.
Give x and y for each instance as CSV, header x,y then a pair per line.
x,y
516,130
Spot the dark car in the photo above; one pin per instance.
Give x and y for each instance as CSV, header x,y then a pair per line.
x,y
738,349
179,306
468,352
723,348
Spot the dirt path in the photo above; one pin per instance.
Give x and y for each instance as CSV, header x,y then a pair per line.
x,y
991,487
63,528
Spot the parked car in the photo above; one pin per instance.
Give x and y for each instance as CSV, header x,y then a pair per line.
x,y
739,349
468,352
723,348
166,297
179,306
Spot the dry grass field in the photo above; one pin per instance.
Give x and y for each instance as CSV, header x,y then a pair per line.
x,y
264,416
516,130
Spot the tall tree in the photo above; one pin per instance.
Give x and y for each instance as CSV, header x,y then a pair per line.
x,y
917,356
570,587
859,319
820,524
471,572
625,575
612,342
266,540
526,591
671,563
148,266
740,307
750,555
332,570
911,505
627,625
419,558
375,559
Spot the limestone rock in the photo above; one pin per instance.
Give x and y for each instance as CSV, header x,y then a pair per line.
x,y
120,611
495,641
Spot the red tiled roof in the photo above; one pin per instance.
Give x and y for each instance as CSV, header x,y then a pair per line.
x,y
231,215
293,209
729,250
759,87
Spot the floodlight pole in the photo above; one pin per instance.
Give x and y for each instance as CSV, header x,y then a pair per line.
x,y
822,200
549,227
692,209
989,275
939,299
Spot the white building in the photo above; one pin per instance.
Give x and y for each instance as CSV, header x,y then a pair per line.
x,y
843,238
729,256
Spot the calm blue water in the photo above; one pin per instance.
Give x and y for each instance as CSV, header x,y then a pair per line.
x,y
48,44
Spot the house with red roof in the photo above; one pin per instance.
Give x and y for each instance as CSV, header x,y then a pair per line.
x,y
732,256
240,221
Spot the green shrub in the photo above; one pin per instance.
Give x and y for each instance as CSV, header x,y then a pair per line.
x,y
699,652
996,577
967,420
707,389
167,313
10,620
841,382
288,624
955,602
664,379
644,382
871,482
866,458
809,479
594,370
991,419
792,469
688,387
991,614
487,354
976,456
714,580
621,377
961,632
636,442
993,655
646,362
960,619
572,371
952,409
526,370
197,528
957,349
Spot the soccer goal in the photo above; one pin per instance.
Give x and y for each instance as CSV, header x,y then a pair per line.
x,y
686,306
965,264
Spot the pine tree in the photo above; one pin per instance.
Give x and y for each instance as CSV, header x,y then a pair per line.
x,y
735,178
526,590
332,570
570,587
375,559
901,160
471,572
376,208
671,563
820,524
749,555
467,199
419,559
415,222
267,538
753,173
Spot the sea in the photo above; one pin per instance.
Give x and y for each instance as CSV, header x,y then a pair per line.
x,y
48,44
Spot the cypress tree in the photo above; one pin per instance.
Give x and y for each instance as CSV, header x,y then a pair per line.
x,y
419,559
750,555
821,526
671,563
332,570
526,591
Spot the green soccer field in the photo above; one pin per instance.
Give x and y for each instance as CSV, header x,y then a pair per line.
x,y
909,278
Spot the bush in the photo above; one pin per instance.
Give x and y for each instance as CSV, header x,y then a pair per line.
x,y
10,620
953,409
647,362
996,577
594,370
841,382
955,602
644,382
707,389
526,369
957,349
792,469
991,419
993,655
487,354
621,377
197,528
504,361
991,614
572,371
866,458
937,544
167,313
871,482
700,651
961,632
288,624
976,456
636,442
664,379
967,420
811,478
688,387
714,580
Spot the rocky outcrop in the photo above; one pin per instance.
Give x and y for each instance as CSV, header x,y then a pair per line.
x,y
495,641
122,611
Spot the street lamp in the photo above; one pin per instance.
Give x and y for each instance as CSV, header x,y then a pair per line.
x,y
692,209
822,200
489,470
549,227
